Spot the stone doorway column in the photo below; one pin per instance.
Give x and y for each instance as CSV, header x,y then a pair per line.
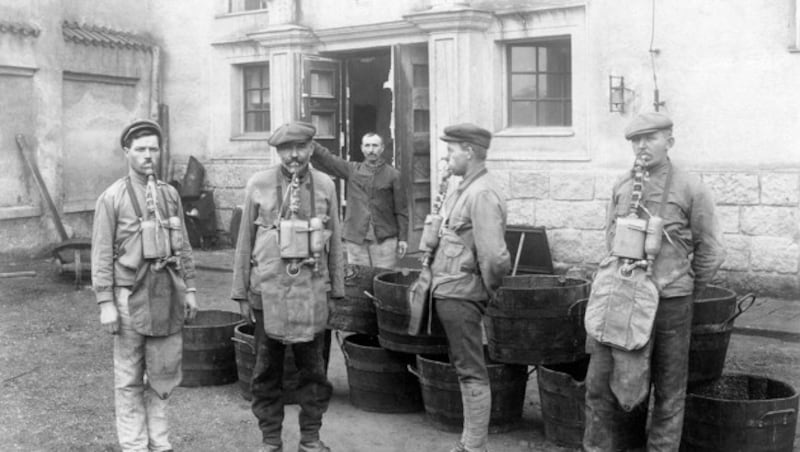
x,y
458,50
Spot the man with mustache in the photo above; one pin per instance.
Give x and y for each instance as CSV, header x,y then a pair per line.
x,y
147,328
288,259
376,221
690,255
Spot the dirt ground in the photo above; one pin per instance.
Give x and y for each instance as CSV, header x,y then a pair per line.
x,y
57,395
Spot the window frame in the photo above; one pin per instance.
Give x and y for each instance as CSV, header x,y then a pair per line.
x,y
232,10
538,100
245,91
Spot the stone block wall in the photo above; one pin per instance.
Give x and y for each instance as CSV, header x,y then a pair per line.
x,y
759,212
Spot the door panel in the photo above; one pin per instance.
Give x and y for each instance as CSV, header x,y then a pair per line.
x,y
321,104
412,133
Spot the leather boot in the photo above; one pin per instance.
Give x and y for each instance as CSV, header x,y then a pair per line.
x,y
477,400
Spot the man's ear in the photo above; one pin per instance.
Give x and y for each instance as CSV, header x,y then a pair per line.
x,y
671,141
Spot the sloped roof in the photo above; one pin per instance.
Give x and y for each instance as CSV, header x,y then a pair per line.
x,y
103,36
19,28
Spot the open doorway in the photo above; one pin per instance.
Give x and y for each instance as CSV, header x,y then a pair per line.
x,y
368,100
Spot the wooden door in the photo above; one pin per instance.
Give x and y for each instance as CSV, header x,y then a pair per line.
x,y
321,104
413,133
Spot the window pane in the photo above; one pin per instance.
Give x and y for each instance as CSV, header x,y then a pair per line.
x,y
253,100
420,76
265,77
553,86
251,122
523,114
250,5
265,99
322,83
323,122
523,86
551,113
523,58
252,78
422,121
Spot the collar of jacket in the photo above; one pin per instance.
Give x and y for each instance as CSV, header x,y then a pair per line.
x,y
374,167
471,176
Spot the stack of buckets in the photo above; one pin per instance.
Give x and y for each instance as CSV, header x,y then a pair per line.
x,y
537,320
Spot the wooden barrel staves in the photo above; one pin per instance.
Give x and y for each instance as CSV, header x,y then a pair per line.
x,y
562,393
535,319
740,413
378,378
441,393
712,324
393,316
356,311
209,357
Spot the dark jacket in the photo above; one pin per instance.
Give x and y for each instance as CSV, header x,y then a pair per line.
x,y
372,192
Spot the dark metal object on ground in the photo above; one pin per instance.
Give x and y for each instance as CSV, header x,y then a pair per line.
x,y
740,413
441,393
378,378
391,307
356,311
562,393
712,324
535,319
209,357
73,255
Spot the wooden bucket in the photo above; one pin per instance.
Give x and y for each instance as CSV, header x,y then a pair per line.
x,y
535,319
393,317
740,413
378,378
441,393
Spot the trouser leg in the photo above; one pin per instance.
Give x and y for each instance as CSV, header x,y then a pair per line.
x,y
598,433
670,372
163,368
314,390
129,359
461,320
267,384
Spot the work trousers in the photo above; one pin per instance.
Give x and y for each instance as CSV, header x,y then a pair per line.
x,y
313,390
372,253
141,412
669,372
461,320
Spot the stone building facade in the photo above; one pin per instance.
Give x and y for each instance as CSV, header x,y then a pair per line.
x,y
231,70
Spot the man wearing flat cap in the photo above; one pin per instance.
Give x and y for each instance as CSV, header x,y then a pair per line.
x,y
288,260
468,266
146,323
689,256
376,222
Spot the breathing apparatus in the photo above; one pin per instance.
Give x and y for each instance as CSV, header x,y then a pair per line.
x,y
301,241
637,240
162,238
432,228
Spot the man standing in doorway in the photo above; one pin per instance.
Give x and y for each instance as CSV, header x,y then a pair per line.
x,y
146,324
376,221
690,255
468,267
288,259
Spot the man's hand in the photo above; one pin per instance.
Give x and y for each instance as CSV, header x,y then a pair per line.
x,y
402,247
109,317
190,307
247,312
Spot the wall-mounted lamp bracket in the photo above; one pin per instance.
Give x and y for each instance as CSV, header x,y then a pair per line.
x,y
616,94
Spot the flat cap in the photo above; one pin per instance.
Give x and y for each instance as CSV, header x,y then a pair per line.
x,y
137,126
467,133
646,123
292,132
